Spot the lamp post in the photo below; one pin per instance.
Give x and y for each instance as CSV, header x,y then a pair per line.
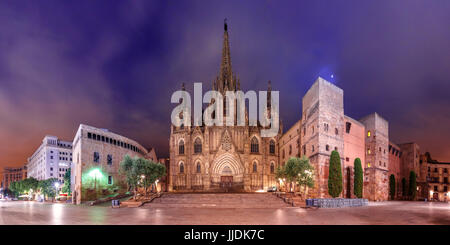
x,y
56,188
94,174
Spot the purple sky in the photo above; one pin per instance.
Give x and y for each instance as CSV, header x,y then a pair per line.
x,y
115,64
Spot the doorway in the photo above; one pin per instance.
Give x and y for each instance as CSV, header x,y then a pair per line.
x,y
226,182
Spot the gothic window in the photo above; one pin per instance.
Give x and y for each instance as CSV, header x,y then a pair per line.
x,y
198,146
327,147
283,154
272,168
368,133
304,150
347,127
181,147
272,147
255,167
181,168
290,149
109,160
312,148
199,168
96,157
336,131
254,145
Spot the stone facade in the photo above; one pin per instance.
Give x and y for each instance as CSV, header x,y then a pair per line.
x,y
222,158
376,183
436,175
322,130
289,144
97,154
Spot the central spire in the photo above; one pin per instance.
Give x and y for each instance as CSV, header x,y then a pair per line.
x,y
225,80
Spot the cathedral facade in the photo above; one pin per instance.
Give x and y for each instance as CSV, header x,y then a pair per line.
x,y
222,158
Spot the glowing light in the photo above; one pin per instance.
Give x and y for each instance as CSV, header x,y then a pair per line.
x,y
56,184
95,173
332,76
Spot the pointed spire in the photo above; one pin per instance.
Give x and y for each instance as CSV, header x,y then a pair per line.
x,y
226,73
238,84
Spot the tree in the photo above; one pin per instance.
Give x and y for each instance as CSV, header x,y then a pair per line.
x,y
392,186
403,187
47,187
280,174
305,175
152,172
67,188
14,188
358,178
291,170
335,175
412,185
129,168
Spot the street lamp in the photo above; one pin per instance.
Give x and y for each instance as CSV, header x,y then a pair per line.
x,y
95,173
56,188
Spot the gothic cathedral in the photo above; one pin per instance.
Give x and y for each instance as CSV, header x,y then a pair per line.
x,y
222,158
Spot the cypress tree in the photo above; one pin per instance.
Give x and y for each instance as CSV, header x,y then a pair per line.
x,y
335,175
404,187
412,185
358,178
392,186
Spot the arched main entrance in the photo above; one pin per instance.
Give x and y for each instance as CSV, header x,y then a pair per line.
x,y
227,173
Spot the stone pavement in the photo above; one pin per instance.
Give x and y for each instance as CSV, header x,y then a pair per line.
x,y
221,211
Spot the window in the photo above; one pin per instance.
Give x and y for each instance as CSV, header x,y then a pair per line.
x,y
435,170
304,149
199,168
181,147
312,128
445,179
89,135
368,151
347,159
109,160
197,146
325,127
368,164
335,148
379,149
336,131
312,148
110,180
435,188
445,188
254,145
327,147
445,170
96,157
255,167
429,169
272,168
181,168
290,149
283,154
368,133
272,147
347,127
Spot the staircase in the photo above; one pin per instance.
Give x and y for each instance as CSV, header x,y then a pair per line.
x,y
217,200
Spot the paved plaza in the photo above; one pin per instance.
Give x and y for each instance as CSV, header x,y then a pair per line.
x,y
196,209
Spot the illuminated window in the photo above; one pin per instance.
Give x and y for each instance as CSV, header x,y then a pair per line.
x,y
368,164
181,168
368,151
272,168
368,133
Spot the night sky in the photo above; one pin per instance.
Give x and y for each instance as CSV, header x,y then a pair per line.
x,y
115,64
